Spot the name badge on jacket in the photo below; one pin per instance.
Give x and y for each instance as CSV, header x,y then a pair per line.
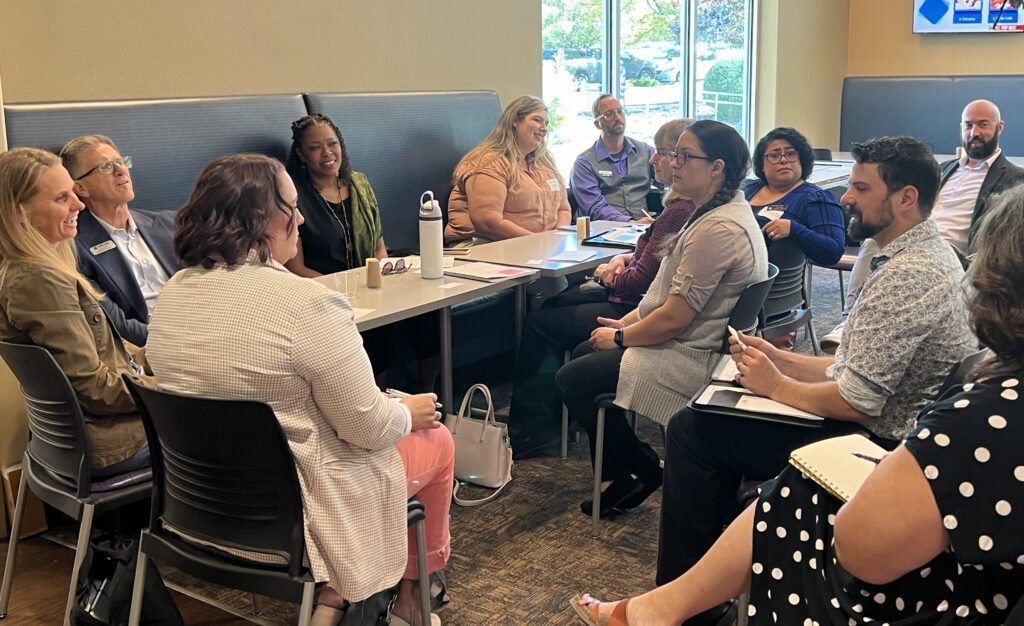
x,y
100,248
605,173
554,185
772,212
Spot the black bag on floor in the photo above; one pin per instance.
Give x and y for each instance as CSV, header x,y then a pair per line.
x,y
103,592
372,611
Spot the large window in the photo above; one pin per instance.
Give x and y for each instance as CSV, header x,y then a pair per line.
x,y
661,58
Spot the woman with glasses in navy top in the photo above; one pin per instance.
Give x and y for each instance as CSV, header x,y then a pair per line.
x,y
786,205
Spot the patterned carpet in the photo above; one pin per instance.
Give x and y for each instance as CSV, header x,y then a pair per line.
x,y
518,559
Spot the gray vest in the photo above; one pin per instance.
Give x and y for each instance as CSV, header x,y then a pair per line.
x,y
626,193
656,381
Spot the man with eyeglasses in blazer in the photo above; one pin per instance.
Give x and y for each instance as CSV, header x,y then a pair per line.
x,y
127,253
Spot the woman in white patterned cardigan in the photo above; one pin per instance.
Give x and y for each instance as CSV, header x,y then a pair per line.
x,y
236,324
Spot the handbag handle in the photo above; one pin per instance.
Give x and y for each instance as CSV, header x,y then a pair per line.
x,y
466,404
459,501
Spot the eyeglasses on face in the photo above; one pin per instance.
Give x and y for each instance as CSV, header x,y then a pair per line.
x,y
609,114
682,157
775,156
107,167
397,267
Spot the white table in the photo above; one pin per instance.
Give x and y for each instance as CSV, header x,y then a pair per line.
x,y
535,251
829,174
407,295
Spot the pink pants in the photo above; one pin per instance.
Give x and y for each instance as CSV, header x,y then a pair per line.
x,y
429,458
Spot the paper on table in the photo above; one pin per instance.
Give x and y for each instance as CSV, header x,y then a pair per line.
x,y
487,271
573,256
447,261
726,370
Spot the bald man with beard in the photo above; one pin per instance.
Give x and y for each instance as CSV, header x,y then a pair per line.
x,y
968,182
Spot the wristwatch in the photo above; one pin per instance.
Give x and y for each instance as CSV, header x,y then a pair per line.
x,y
618,338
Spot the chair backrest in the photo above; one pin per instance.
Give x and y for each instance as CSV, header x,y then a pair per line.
x,y
959,373
1016,615
222,472
822,154
927,106
57,437
787,292
748,307
169,139
402,155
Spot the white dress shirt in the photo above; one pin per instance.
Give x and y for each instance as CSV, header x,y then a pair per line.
x,y
146,270
954,208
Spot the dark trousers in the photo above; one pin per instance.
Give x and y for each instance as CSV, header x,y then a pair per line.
x,y
706,455
421,332
563,322
590,374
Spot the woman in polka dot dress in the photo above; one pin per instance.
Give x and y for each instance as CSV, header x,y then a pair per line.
x,y
936,533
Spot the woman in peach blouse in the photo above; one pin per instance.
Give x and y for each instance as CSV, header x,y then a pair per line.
x,y
508,186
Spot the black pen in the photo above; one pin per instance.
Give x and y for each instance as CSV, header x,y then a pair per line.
x,y
874,459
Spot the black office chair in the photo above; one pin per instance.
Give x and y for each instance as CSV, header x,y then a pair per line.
x,y
961,370
785,309
747,311
57,461
822,154
223,474
845,262
1016,616
603,403
653,201
574,206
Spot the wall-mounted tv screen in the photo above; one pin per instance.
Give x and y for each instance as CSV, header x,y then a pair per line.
x,y
968,16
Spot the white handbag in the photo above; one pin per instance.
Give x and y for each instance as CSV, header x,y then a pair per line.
x,y
483,453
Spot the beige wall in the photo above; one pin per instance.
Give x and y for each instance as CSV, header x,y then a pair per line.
x,y
197,47
55,50
882,44
802,59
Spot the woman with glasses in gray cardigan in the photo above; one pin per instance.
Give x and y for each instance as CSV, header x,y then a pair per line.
x,y
657,356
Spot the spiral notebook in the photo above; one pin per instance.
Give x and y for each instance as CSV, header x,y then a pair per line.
x,y
840,465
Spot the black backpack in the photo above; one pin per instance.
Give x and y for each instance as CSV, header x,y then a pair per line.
x,y
103,592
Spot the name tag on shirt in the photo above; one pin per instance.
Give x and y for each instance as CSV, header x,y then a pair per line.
x,y
772,212
605,173
100,248
554,185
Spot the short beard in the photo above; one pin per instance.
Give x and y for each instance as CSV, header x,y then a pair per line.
x,y
986,149
861,230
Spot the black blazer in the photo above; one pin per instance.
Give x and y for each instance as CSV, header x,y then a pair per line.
x,y
107,270
1001,175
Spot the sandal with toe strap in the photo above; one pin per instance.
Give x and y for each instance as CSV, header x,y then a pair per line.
x,y
597,613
